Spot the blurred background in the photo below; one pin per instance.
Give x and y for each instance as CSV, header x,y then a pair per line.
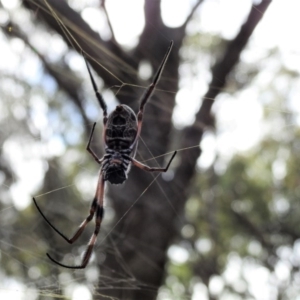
x,y
223,222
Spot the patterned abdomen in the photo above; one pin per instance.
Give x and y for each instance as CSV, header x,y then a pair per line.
x,y
121,128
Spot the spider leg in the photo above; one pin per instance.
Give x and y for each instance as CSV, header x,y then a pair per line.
x,y
80,228
151,88
88,147
150,169
98,95
98,205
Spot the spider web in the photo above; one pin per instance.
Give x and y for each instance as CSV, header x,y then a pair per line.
x,y
50,142
81,186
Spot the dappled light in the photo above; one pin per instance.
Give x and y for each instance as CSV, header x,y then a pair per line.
x,y
222,222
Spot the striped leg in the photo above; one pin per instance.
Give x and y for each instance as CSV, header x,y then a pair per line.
x,y
97,206
80,228
150,169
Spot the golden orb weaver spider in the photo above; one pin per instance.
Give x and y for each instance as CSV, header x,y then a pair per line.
x,y
122,129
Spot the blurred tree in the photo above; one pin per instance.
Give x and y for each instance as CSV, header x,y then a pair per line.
x,y
133,259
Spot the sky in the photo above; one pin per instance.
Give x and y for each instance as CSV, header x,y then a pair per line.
x,y
281,18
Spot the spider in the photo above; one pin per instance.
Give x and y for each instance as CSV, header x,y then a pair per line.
x,y
122,129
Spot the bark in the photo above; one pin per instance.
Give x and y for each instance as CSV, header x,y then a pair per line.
x,y
148,216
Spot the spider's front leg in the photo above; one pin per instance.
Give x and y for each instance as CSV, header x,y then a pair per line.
x,y
81,226
98,207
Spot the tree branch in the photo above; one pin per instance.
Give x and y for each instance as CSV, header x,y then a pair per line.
x,y
64,81
191,14
108,20
104,54
192,135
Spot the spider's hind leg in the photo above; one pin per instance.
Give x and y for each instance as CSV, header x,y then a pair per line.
x,y
152,86
90,150
97,93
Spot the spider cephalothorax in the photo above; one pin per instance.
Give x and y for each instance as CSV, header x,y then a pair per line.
x,y
115,166
122,129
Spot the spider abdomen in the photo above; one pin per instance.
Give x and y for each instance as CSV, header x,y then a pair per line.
x,y
121,128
